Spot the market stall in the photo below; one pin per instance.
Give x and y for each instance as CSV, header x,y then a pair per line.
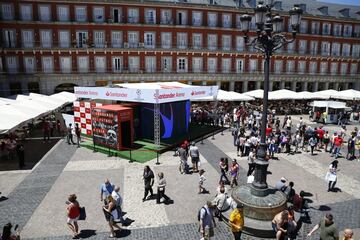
x,y
329,111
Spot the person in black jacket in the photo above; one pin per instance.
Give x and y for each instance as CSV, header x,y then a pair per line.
x,y
148,177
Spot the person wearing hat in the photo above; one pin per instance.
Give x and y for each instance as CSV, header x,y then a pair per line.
x,y
280,185
236,221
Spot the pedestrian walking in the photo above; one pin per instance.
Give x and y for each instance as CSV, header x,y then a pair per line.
x,y
328,229
223,170
195,157
183,169
111,215
69,136
234,173
326,140
312,143
236,221
78,134
202,179
118,201
338,141
21,155
105,190
331,175
207,221
148,177
351,148
73,214
251,162
161,196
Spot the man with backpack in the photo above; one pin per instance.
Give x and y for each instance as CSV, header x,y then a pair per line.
x,y
206,221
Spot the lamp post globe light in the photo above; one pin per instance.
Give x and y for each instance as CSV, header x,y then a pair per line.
x,y
261,202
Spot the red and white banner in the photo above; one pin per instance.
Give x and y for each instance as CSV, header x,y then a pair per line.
x,y
162,94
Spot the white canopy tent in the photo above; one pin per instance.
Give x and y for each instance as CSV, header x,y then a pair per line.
x,y
330,93
282,94
259,93
226,96
310,95
349,94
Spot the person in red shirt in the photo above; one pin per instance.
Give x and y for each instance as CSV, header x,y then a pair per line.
x,y
268,130
73,213
320,134
337,146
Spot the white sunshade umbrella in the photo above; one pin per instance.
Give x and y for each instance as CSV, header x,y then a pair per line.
x,y
310,95
226,96
282,94
330,93
349,94
259,93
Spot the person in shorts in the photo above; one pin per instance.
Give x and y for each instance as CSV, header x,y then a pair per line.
x,y
73,214
194,154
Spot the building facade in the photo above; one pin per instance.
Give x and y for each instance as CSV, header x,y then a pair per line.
x,y
50,46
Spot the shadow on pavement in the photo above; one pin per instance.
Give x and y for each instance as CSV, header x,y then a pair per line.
x,y
2,198
86,233
122,233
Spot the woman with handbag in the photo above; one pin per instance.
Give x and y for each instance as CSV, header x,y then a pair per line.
x,y
73,214
111,215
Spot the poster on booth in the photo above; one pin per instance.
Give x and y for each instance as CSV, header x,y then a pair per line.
x,y
105,128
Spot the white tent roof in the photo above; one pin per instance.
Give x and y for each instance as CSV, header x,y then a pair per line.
x,y
226,96
330,104
282,94
155,85
259,93
311,95
330,93
349,94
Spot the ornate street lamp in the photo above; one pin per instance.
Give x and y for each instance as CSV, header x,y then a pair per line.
x,y
262,203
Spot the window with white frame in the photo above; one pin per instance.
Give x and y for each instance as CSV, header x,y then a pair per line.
x,y
63,14
98,14
166,64
212,19
116,39
337,30
166,17
212,41
196,18
182,65
239,65
278,66
11,64
301,66
346,49
150,64
150,16
9,38
166,40
212,65
226,65
334,68
100,64
347,31
99,39
240,43
226,42
325,48
47,64
226,20
353,68
326,28
335,49
82,39
44,13
197,40
133,38
291,47
27,38
357,31
26,12
133,15
253,65
313,67
7,11
149,39
181,17
356,51
315,28
181,40
29,64
197,64
314,47
134,64
323,67
302,46
83,64
46,38
303,26
117,64
64,38
343,68
65,64
116,15
290,66
80,14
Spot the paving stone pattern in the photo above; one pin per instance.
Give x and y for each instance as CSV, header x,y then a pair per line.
x,y
27,196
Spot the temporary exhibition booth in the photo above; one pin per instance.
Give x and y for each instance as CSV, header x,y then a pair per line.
x,y
331,109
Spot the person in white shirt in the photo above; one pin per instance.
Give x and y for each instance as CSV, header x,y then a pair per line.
x,y
118,199
194,154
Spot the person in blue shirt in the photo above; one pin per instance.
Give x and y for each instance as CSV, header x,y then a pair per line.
x,y
106,189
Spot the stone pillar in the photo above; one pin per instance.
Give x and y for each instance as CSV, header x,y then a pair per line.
x,y
282,85
258,85
315,87
245,86
336,86
231,85
326,85
304,86
293,86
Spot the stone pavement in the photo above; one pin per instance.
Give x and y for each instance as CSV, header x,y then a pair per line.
x,y
39,195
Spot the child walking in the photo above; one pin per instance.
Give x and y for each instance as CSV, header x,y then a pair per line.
x,y
202,179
